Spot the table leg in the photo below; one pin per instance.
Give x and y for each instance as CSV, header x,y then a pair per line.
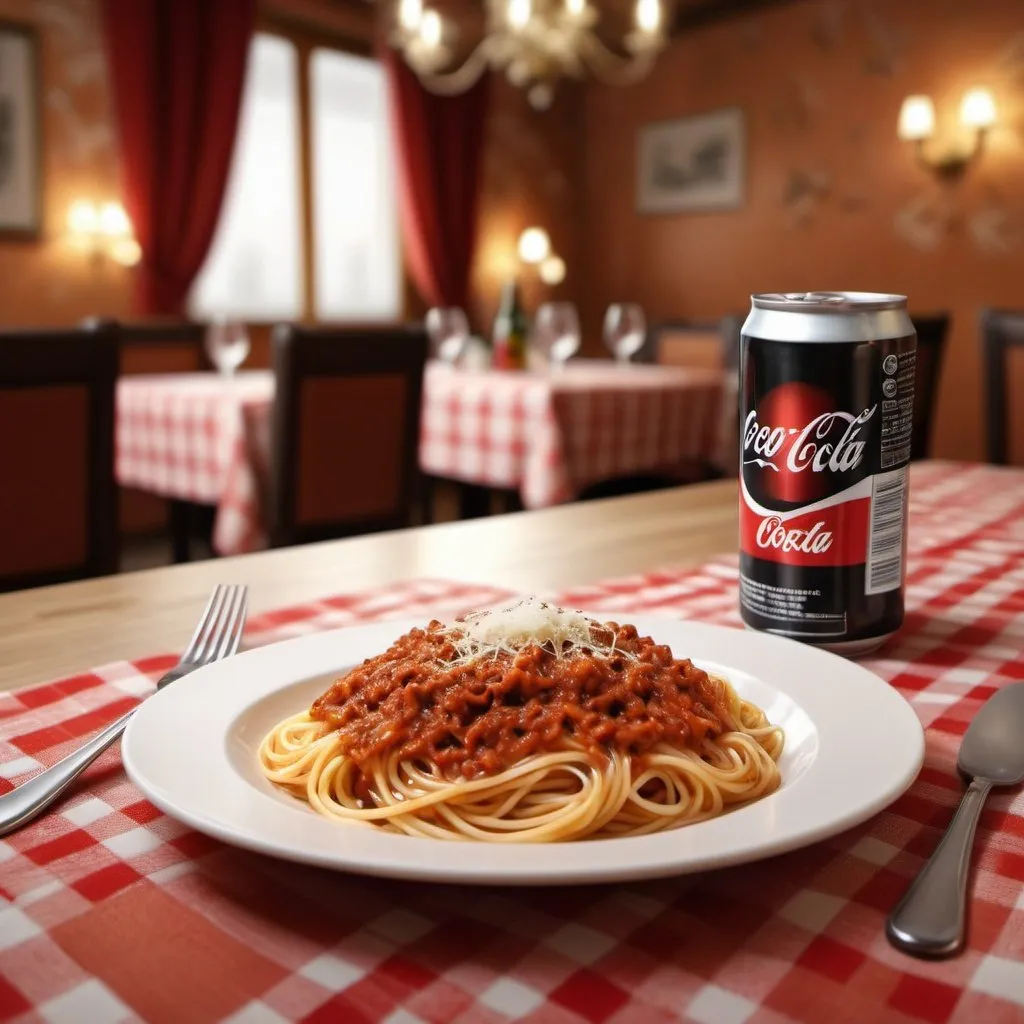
x,y
181,522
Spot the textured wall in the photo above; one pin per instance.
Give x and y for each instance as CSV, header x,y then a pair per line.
x,y
833,198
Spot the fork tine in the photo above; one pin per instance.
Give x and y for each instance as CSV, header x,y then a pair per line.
x,y
212,635
204,621
234,626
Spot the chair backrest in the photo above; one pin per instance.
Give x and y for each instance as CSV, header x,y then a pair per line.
x,y
1001,329
172,347
708,345
346,431
58,516
931,331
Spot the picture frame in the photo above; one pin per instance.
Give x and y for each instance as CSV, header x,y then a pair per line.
x,y
692,164
21,200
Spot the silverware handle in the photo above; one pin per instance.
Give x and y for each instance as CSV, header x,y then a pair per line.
x,y
21,805
929,920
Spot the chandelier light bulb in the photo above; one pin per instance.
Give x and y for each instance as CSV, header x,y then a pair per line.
x,y
533,43
430,28
409,14
648,16
519,13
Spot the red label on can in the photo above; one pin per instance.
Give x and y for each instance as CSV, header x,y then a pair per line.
x,y
829,532
800,446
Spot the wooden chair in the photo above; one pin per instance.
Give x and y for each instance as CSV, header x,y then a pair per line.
x,y
345,441
1001,330
58,514
151,348
931,343
708,345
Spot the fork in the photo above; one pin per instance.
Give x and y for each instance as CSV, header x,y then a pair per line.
x,y
217,636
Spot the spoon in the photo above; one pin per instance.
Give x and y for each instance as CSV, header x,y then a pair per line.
x,y
929,920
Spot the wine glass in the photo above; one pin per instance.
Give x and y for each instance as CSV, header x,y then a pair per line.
x,y
625,330
556,332
227,344
448,331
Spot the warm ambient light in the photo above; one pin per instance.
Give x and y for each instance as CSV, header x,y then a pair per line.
x,y
103,230
113,220
409,14
552,270
83,218
917,125
519,12
534,245
917,119
648,15
978,109
575,8
430,28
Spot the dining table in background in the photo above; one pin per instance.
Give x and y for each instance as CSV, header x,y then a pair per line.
x,y
204,439
112,911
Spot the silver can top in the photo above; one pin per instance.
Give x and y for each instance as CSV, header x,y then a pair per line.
x,y
828,302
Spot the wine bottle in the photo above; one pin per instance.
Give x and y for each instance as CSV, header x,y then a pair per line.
x,y
510,331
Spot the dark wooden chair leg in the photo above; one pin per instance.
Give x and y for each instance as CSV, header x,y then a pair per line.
x,y
474,501
181,532
426,502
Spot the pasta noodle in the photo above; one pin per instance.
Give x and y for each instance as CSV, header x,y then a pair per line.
x,y
541,735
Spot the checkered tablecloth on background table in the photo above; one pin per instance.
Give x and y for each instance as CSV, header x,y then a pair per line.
x,y
550,435
112,911
200,438
196,437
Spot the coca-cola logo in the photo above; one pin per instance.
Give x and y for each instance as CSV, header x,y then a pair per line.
x,y
798,440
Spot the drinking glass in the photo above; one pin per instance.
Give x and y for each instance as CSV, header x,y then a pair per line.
x,y
625,330
227,344
556,332
448,331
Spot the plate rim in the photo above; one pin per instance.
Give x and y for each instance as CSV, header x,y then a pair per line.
x,y
530,870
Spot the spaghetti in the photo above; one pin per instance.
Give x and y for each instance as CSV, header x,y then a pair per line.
x,y
530,724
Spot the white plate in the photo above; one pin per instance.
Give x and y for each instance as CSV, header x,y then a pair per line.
x,y
853,745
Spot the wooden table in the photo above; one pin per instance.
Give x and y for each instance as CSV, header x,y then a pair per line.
x,y
57,631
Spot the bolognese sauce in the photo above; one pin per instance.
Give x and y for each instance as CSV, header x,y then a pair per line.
x,y
477,717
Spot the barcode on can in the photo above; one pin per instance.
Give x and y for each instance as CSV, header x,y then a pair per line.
x,y
885,543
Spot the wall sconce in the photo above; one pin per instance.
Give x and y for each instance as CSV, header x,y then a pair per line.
x,y
535,250
103,230
917,125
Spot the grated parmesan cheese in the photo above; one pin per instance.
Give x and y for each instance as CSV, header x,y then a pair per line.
x,y
530,621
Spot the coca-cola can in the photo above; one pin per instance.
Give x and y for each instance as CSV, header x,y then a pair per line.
x,y
826,414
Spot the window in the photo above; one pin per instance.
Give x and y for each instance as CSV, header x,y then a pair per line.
x,y
260,265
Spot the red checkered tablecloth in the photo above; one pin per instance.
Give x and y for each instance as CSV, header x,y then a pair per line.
x,y
550,435
110,911
199,438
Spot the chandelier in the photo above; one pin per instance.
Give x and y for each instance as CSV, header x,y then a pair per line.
x,y
533,42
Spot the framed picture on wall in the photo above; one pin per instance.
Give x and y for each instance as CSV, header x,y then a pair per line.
x,y
693,163
20,132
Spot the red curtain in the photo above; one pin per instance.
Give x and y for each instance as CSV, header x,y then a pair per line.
x,y
439,142
177,68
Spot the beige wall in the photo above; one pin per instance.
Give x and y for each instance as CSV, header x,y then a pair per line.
x,y
821,95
